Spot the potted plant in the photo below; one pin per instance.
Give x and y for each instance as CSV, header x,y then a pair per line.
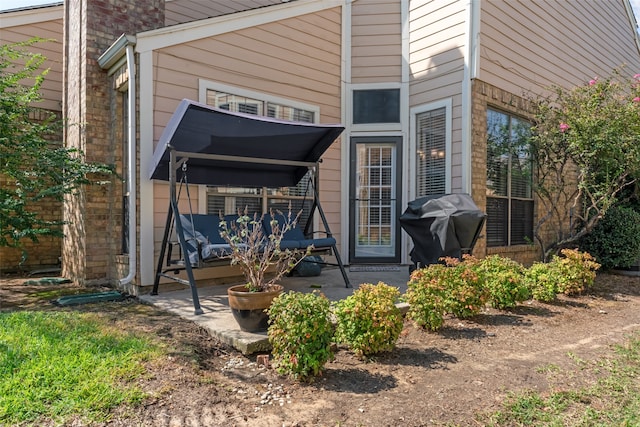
x,y
255,246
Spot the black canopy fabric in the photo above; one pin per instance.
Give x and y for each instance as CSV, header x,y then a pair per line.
x,y
441,226
201,129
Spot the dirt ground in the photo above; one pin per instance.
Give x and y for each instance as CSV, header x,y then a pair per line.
x,y
451,377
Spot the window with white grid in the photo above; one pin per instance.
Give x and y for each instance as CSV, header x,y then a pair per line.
x,y
231,199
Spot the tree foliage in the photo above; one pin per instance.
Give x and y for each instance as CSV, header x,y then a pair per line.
x,y
586,146
34,166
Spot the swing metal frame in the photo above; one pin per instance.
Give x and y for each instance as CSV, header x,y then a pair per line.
x,y
170,269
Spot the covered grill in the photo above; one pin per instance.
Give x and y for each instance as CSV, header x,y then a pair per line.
x,y
442,226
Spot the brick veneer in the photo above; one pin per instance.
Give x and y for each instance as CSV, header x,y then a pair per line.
x,y
92,239
46,252
484,96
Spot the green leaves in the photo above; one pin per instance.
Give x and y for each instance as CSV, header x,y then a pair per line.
x,y
34,165
586,144
300,333
368,321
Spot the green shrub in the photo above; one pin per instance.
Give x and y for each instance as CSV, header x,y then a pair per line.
x,y
368,321
300,332
466,296
571,273
542,281
427,295
615,240
576,271
503,279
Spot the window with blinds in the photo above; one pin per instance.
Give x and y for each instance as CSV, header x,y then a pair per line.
x,y
431,152
257,200
509,180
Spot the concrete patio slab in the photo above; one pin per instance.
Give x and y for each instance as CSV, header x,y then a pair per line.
x,y
219,322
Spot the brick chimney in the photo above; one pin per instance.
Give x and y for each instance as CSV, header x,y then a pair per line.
x,y
92,237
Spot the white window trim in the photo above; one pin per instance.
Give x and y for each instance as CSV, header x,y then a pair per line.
x,y
357,127
413,143
205,85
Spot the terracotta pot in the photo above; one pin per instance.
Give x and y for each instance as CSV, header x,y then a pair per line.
x,y
249,308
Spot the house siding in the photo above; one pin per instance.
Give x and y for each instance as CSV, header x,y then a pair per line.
x,y
51,49
376,41
18,27
528,45
180,11
297,59
437,34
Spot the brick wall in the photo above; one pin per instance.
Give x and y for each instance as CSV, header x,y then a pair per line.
x,y
93,240
46,252
484,96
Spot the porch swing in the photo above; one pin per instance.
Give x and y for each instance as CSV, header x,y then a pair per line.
x,y
210,146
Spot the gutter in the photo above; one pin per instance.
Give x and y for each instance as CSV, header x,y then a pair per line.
x,y
114,57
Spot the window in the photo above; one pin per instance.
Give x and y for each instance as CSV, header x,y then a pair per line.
x,y
431,143
230,199
509,180
376,106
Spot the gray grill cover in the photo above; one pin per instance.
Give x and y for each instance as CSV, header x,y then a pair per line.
x,y
442,226
200,128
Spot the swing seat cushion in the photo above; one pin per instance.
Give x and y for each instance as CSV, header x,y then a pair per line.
x,y
295,238
205,230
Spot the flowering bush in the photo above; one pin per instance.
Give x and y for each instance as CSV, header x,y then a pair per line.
x,y
300,332
368,321
586,143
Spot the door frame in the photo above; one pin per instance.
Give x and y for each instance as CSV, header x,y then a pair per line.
x,y
398,164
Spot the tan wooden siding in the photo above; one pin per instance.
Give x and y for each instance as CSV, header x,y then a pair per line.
x,y
180,11
527,45
376,41
52,50
437,34
297,59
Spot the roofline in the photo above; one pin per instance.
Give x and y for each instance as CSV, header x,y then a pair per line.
x,y
31,15
116,51
182,33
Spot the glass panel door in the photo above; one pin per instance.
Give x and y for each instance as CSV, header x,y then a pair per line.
x,y
375,183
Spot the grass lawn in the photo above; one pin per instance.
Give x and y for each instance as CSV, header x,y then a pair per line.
x,y
613,400
58,365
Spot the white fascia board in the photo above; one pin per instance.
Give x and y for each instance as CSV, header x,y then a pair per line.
x,y
31,16
184,33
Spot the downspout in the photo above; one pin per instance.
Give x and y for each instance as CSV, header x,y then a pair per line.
x,y
131,165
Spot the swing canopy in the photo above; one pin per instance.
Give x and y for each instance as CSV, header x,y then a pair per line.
x,y
226,148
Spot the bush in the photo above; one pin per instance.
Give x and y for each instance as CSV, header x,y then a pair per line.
x,y
570,274
542,281
427,296
368,321
466,296
439,289
503,280
576,271
615,240
300,332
